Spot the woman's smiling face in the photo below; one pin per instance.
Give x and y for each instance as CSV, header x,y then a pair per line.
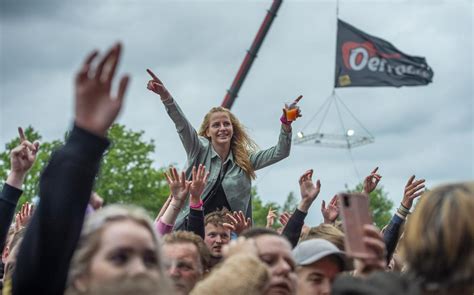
x,y
220,129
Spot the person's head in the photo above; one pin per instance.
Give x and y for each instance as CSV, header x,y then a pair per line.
x,y
438,241
116,243
185,258
275,251
327,232
215,234
223,128
318,263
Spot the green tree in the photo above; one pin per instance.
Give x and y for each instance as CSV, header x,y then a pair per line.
x,y
379,205
260,209
127,174
30,186
290,203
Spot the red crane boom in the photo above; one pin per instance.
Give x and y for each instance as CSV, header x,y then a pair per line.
x,y
232,93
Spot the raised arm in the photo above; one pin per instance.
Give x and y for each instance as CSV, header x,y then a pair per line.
x,y
66,183
281,150
187,133
413,189
179,188
22,158
371,181
309,192
196,212
331,212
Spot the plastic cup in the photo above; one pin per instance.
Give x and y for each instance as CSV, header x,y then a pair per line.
x,y
291,111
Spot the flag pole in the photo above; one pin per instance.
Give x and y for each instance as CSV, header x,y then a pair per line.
x,y
349,146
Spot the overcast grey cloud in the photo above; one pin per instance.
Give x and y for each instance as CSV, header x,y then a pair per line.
x,y
196,48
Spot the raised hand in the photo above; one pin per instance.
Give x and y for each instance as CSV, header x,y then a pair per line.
x,y
309,190
23,216
413,189
22,159
198,183
331,212
179,187
284,217
158,87
287,123
374,242
23,156
371,181
237,222
271,218
96,108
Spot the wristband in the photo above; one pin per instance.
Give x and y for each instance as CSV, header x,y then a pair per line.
x,y
404,209
401,204
401,214
196,206
283,120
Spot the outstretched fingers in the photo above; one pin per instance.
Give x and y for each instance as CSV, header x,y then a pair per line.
x,y
123,85
111,64
86,66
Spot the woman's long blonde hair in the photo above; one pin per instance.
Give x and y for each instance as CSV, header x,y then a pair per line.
x,y
439,238
241,144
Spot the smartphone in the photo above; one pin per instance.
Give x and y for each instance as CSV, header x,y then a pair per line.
x,y
355,213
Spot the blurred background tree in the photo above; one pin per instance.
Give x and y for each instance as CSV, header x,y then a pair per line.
x,y
126,176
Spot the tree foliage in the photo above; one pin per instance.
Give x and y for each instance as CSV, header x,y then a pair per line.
x,y
126,176
30,186
290,203
260,209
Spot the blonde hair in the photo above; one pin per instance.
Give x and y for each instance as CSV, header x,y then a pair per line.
x,y
327,232
217,218
91,234
438,241
241,144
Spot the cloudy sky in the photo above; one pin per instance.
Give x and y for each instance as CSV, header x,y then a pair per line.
x,y
196,48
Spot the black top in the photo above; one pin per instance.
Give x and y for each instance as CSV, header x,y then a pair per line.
x,y
216,201
292,230
54,230
8,200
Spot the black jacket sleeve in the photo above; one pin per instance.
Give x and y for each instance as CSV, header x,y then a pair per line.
x,y
390,236
196,222
53,233
8,200
292,230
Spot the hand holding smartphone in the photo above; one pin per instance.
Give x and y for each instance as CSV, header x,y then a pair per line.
x,y
355,214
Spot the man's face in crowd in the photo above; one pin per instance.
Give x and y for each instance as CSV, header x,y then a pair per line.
x,y
275,252
317,278
183,265
215,238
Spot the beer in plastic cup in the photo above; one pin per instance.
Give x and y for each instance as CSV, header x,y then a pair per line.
x,y
291,111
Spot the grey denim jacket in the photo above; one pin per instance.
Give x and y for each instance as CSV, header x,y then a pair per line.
x,y
236,183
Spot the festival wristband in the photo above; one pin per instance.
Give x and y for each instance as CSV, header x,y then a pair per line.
x,y
196,206
283,120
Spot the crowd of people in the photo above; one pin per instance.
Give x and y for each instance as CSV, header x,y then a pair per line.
x,y
202,241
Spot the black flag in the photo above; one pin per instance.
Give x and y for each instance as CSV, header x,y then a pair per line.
x,y
365,60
